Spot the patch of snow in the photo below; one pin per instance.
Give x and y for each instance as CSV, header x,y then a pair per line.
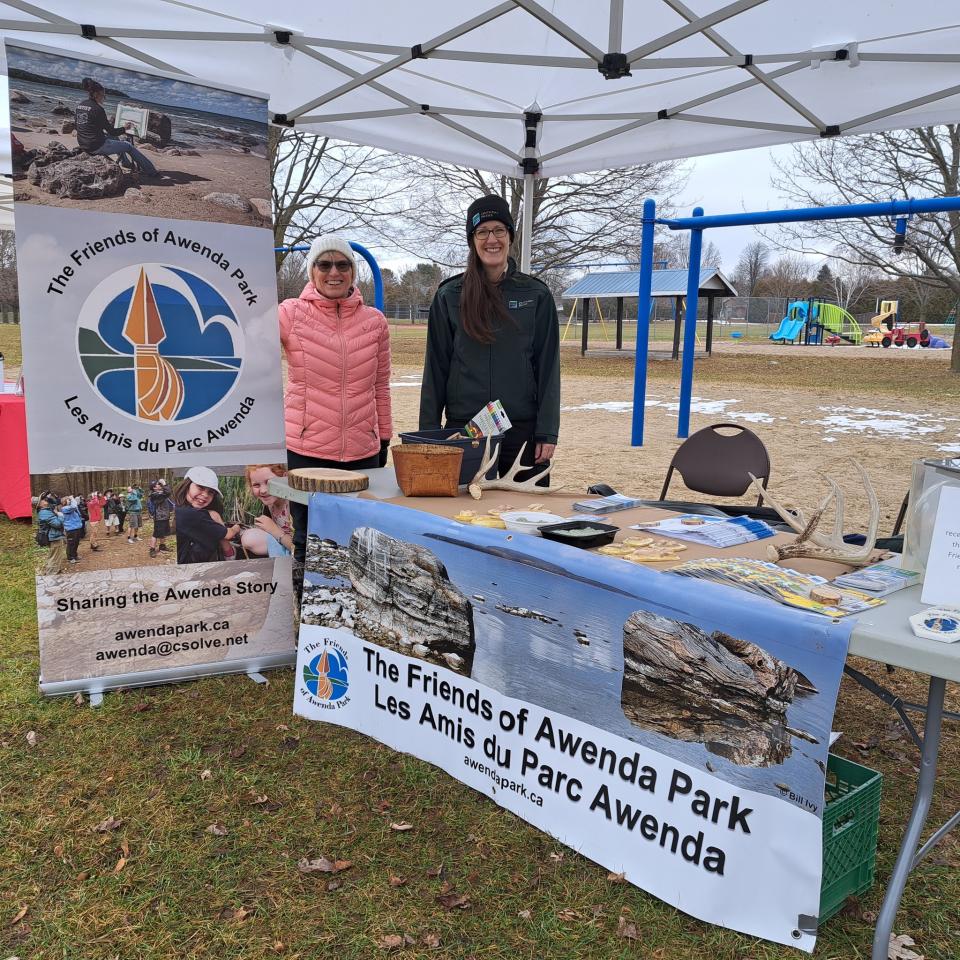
x,y
611,406
880,423
711,408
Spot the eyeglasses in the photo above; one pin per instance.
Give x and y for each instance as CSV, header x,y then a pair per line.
x,y
325,266
498,233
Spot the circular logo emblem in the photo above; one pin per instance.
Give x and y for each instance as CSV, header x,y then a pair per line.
x,y
326,676
159,344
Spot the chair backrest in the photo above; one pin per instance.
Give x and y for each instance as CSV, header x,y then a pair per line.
x,y
718,463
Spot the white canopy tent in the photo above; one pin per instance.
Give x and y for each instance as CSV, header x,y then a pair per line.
x,y
544,88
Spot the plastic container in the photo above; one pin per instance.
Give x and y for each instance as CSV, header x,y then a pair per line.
x,y
472,449
528,521
929,479
561,533
851,816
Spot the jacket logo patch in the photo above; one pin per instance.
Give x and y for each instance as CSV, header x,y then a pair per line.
x,y
519,304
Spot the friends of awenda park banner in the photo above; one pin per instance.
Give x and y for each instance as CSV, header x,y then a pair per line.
x,y
152,371
678,736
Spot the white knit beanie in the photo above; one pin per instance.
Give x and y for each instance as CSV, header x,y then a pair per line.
x,y
330,241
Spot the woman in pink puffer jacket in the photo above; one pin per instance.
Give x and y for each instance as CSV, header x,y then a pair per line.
x,y
337,403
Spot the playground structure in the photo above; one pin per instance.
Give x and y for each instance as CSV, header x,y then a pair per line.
x,y
809,321
888,331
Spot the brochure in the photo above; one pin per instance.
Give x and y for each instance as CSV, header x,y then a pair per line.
x,y
616,501
789,587
878,580
717,532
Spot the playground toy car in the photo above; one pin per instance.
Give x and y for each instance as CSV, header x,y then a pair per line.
x,y
888,332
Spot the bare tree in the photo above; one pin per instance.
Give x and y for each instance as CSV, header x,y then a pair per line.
x,y
577,219
849,280
323,185
750,267
875,167
675,250
9,296
788,276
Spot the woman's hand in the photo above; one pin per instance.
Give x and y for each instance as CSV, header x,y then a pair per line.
x,y
544,452
267,524
232,531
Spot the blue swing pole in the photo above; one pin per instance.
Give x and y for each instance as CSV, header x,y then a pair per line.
x,y
644,306
690,327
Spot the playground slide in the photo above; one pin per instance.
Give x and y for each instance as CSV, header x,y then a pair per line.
x,y
788,330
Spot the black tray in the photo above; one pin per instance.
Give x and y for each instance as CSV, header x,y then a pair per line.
x,y
555,531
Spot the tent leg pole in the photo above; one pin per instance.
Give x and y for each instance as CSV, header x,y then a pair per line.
x,y
526,232
690,329
644,303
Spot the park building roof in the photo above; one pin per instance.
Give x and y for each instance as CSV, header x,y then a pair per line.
x,y
666,283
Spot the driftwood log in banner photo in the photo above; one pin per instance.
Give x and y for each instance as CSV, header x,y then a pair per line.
x,y
714,689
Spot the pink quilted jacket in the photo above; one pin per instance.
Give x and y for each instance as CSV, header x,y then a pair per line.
x,y
337,404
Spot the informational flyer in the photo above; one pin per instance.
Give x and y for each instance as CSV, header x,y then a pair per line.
x,y
677,736
941,584
151,363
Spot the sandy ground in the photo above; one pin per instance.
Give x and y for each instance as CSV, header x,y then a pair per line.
x,y
810,432
179,197
114,553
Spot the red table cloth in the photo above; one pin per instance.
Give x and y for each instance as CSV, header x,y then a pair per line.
x,y
14,470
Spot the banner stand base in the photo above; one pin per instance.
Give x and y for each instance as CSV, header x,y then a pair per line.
x,y
257,677
96,699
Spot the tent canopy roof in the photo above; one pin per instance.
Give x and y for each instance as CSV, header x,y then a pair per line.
x,y
665,283
453,81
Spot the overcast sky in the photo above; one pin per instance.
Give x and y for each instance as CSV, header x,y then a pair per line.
x,y
734,183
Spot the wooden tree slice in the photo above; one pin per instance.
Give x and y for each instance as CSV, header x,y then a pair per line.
x,y
327,480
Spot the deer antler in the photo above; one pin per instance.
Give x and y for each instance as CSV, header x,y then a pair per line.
x,y
480,482
820,546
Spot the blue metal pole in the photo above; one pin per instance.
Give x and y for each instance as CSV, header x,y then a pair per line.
x,y
644,304
690,327
367,255
892,208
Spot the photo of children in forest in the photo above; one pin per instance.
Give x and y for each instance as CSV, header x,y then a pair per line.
x,y
111,519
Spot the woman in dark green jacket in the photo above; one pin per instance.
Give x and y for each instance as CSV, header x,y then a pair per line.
x,y
493,334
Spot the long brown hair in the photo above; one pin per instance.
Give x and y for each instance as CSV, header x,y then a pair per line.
x,y
480,302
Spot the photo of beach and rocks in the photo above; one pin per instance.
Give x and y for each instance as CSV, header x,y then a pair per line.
x,y
186,151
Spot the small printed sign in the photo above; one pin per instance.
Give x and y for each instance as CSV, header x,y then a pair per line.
x,y
941,585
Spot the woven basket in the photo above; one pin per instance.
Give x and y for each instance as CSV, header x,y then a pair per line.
x,y
427,469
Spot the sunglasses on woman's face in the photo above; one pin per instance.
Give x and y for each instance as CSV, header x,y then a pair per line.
x,y
325,266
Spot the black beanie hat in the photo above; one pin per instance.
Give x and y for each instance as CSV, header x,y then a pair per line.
x,y
490,207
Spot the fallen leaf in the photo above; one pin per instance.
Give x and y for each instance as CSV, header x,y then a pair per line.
x,y
281,726
431,940
31,738
454,901
437,871
58,850
125,848
396,881
568,914
322,865
392,941
142,707
237,752
384,805
105,826
121,863
206,775
401,827
899,948
241,914
83,875
335,809
617,877
627,928
217,829
556,857
20,914
78,699
525,914
334,885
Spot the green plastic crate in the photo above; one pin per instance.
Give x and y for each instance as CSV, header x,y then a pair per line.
x,y
850,820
